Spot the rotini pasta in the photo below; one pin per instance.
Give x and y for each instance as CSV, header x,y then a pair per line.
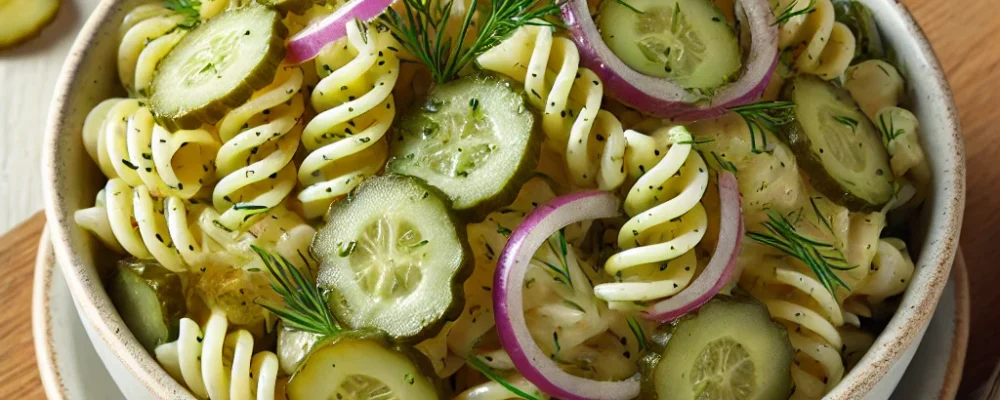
x,y
592,140
122,138
355,109
657,257
259,138
825,47
216,365
891,271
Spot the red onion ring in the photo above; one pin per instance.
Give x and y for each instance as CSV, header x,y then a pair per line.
x,y
307,44
720,268
508,300
662,98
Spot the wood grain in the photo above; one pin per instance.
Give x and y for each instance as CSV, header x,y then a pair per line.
x,y
19,372
965,34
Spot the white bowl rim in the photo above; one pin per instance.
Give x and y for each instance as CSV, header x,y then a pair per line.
x,y
897,337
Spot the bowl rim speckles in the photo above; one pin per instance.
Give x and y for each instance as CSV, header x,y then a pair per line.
x,y
68,172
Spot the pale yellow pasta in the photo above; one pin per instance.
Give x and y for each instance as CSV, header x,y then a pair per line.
x,y
491,390
220,365
667,220
147,34
591,140
879,89
891,269
826,46
355,109
260,137
122,138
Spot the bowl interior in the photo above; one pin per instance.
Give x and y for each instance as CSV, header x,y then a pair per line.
x,y
89,77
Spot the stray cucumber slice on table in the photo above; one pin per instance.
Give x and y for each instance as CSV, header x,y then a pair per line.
x,y
217,67
837,145
364,366
24,19
150,300
473,139
688,42
730,349
393,258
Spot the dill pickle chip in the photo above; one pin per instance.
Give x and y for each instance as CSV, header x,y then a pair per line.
x,y
217,67
24,19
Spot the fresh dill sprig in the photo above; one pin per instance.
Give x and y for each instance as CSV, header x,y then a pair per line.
x,y
888,131
850,122
726,165
697,141
305,309
640,336
789,12
191,9
821,257
422,25
557,243
767,115
492,375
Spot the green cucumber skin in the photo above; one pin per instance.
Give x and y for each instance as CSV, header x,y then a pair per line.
x,y
796,137
213,112
454,310
523,172
859,19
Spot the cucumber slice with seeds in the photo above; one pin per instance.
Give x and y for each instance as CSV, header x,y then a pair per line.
x,y
393,259
688,42
364,366
837,145
730,349
474,139
217,67
150,300
24,19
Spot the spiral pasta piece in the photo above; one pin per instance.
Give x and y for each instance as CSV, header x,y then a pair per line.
x,y
592,140
891,271
122,138
355,109
131,220
825,47
219,366
259,138
147,34
657,257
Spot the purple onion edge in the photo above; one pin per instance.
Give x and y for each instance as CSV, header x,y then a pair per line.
x,y
307,47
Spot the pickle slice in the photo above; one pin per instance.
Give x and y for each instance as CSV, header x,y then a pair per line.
x,y
24,19
150,300
289,6
217,67
393,259
364,366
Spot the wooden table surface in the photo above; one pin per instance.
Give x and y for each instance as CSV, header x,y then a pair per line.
x,y
965,34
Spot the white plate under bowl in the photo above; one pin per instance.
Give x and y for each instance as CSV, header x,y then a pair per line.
x,y
71,368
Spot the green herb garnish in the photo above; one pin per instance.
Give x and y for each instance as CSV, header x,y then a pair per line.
x,y
630,7
726,165
821,257
422,25
503,230
789,12
557,243
888,131
769,115
640,336
191,9
492,375
305,308
850,122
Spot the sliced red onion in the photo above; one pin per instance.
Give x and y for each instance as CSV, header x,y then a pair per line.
x,y
508,299
720,268
665,99
307,44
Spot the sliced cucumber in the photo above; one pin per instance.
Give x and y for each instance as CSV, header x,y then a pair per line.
x,y
289,6
24,19
688,42
293,347
860,20
393,259
474,139
837,145
731,349
217,67
150,300
364,366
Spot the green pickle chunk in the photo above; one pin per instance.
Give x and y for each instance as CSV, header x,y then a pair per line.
x,y
149,298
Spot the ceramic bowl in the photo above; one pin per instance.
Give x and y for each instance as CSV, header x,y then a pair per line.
x,y
72,180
